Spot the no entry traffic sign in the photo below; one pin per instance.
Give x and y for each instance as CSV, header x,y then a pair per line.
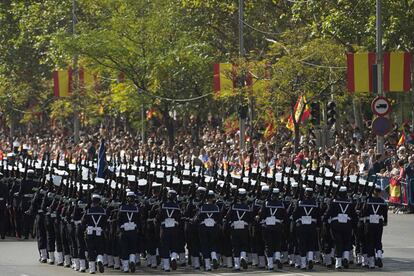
x,y
380,106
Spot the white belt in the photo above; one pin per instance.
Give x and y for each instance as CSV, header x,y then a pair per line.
x,y
268,222
337,219
129,226
77,222
366,219
169,223
209,222
1,199
91,229
313,220
28,195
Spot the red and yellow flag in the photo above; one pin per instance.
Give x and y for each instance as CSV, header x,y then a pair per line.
x,y
397,71
224,77
62,81
297,110
359,72
87,80
402,139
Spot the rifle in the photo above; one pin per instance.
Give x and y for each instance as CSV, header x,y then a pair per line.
x,y
341,180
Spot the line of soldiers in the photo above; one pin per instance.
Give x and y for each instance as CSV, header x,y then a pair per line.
x,y
171,213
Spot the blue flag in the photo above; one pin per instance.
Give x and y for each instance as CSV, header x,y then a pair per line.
x,y
102,165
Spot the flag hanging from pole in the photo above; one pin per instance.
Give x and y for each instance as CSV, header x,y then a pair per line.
x,y
300,104
397,71
62,80
102,164
359,72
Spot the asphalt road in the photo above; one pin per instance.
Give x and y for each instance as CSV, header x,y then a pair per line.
x,y
19,258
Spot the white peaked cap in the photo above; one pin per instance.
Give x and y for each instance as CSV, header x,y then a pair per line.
x,y
308,189
275,190
265,188
56,179
131,177
342,189
99,180
142,182
242,191
130,193
201,189
353,178
159,174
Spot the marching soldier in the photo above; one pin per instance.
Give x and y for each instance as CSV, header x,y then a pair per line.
x,y
307,218
95,221
129,225
208,220
341,216
169,216
375,212
239,218
272,217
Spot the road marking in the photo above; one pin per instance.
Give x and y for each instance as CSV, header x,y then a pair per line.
x,y
397,247
398,260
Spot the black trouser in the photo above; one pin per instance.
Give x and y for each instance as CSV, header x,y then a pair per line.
x,y
328,243
272,237
64,233
293,241
3,219
50,234
73,245
80,241
95,245
168,241
58,236
257,243
41,236
193,242
225,244
27,220
239,241
128,241
342,237
373,238
208,240
152,238
360,240
307,238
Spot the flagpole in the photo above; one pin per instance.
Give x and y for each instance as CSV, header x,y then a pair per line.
x,y
380,139
241,84
76,123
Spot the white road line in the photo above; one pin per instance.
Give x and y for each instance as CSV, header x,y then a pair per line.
x,y
402,261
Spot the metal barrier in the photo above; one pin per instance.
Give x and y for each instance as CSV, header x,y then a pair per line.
x,y
406,187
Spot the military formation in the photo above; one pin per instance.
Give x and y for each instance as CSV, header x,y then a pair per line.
x,y
166,211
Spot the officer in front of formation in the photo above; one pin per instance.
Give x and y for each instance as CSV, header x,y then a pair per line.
x,y
169,217
95,221
239,218
272,216
375,214
129,226
208,220
307,219
342,218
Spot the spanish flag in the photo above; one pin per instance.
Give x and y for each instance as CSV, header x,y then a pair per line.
x,y
402,139
62,81
224,77
87,80
297,110
359,72
397,71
